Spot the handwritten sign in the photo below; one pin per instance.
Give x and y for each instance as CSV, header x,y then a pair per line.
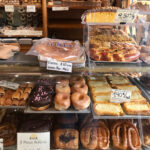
x,y
9,8
126,16
120,96
31,8
60,8
59,66
9,85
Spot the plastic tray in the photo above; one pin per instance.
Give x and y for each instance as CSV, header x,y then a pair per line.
x,y
144,93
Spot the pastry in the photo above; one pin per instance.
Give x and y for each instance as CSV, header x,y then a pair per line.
x,y
62,88
79,87
41,98
61,50
101,89
77,79
66,139
112,109
95,137
62,101
98,98
135,108
8,133
80,101
125,136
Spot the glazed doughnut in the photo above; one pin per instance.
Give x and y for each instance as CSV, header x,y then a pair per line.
x,y
62,80
80,101
62,88
80,87
62,101
77,79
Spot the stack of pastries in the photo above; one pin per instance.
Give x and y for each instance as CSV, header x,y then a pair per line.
x,y
74,91
101,88
15,98
97,134
114,45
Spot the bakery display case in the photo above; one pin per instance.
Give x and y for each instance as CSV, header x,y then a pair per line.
x,y
104,104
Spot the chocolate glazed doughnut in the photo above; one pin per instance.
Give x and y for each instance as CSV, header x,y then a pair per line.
x,y
125,136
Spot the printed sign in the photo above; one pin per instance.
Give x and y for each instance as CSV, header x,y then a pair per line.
x,y
31,8
59,66
9,85
1,144
126,16
120,96
9,8
33,141
60,8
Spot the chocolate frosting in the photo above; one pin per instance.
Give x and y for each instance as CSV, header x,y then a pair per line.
x,y
41,96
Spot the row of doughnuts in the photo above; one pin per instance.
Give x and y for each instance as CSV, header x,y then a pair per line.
x,y
77,94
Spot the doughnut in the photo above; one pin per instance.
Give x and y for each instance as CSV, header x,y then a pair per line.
x,y
77,79
62,101
62,80
62,88
80,101
80,87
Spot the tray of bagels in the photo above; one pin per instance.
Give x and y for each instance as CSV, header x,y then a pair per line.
x,y
100,91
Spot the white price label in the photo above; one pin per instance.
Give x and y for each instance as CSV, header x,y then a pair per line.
x,y
1,144
9,85
31,8
60,8
9,8
120,96
33,141
126,16
59,66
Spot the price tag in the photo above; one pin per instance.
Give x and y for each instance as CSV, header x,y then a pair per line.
x,y
9,85
59,66
60,8
120,96
33,141
31,8
126,16
1,144
9,8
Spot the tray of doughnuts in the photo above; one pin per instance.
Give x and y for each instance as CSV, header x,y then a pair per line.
x,y
59,94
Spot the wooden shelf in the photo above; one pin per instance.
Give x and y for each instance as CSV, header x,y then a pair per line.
x,y
65,24
72,6
24,5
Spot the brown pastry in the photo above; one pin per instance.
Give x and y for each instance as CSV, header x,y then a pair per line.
x,y
8,102
95,137
24,96
15,103
8,133
16,95
22,103
125,136
66,139
2,91
28,90
2,101
30,85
